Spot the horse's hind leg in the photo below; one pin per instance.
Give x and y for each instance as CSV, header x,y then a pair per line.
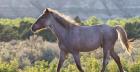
x,y
106,52
77,61
116,59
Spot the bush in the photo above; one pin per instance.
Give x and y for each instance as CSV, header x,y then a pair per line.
x,y
90,63
135,67
9,67
19,29
131,25
14,28
8,32
113,67
39,66
133,28
27,52
117,21
91,21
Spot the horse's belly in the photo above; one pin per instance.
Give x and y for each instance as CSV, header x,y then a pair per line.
x,y
89,46
85,39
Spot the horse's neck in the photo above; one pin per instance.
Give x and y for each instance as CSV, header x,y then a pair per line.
x,y
59,31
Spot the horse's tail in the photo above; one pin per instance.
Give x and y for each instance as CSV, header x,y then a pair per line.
x,y
123,38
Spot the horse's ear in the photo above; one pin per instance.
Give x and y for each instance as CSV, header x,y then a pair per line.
x,y
46,11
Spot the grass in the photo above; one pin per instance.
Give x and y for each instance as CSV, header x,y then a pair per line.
x,y
38,55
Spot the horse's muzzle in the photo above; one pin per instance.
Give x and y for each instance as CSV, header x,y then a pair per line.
x,y
33,29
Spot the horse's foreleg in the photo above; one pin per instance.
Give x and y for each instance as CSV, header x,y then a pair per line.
x,y
61,60
105,58
77,61
116,59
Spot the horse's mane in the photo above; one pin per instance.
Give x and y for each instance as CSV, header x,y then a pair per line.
x,y
64,20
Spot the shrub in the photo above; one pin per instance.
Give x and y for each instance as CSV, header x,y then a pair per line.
x,y
91,21
90,64
112,67
9,67
21,29
131,25
39,66
135,67
11,28
7,33
117,21
132,28
27,52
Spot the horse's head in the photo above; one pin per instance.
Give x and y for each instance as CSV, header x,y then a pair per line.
x,y
43,21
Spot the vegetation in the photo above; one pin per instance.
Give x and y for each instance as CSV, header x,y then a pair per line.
x,y
19,29
21,51
131,25
37,55
91,21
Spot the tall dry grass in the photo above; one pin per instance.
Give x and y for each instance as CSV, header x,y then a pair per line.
x,y
38,55
28,51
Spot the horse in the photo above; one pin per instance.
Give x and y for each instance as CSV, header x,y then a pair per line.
x,y
73,38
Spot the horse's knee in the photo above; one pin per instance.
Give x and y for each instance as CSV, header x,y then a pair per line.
x,y
114,55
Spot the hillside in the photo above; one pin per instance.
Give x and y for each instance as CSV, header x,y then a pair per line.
x,y
101,8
